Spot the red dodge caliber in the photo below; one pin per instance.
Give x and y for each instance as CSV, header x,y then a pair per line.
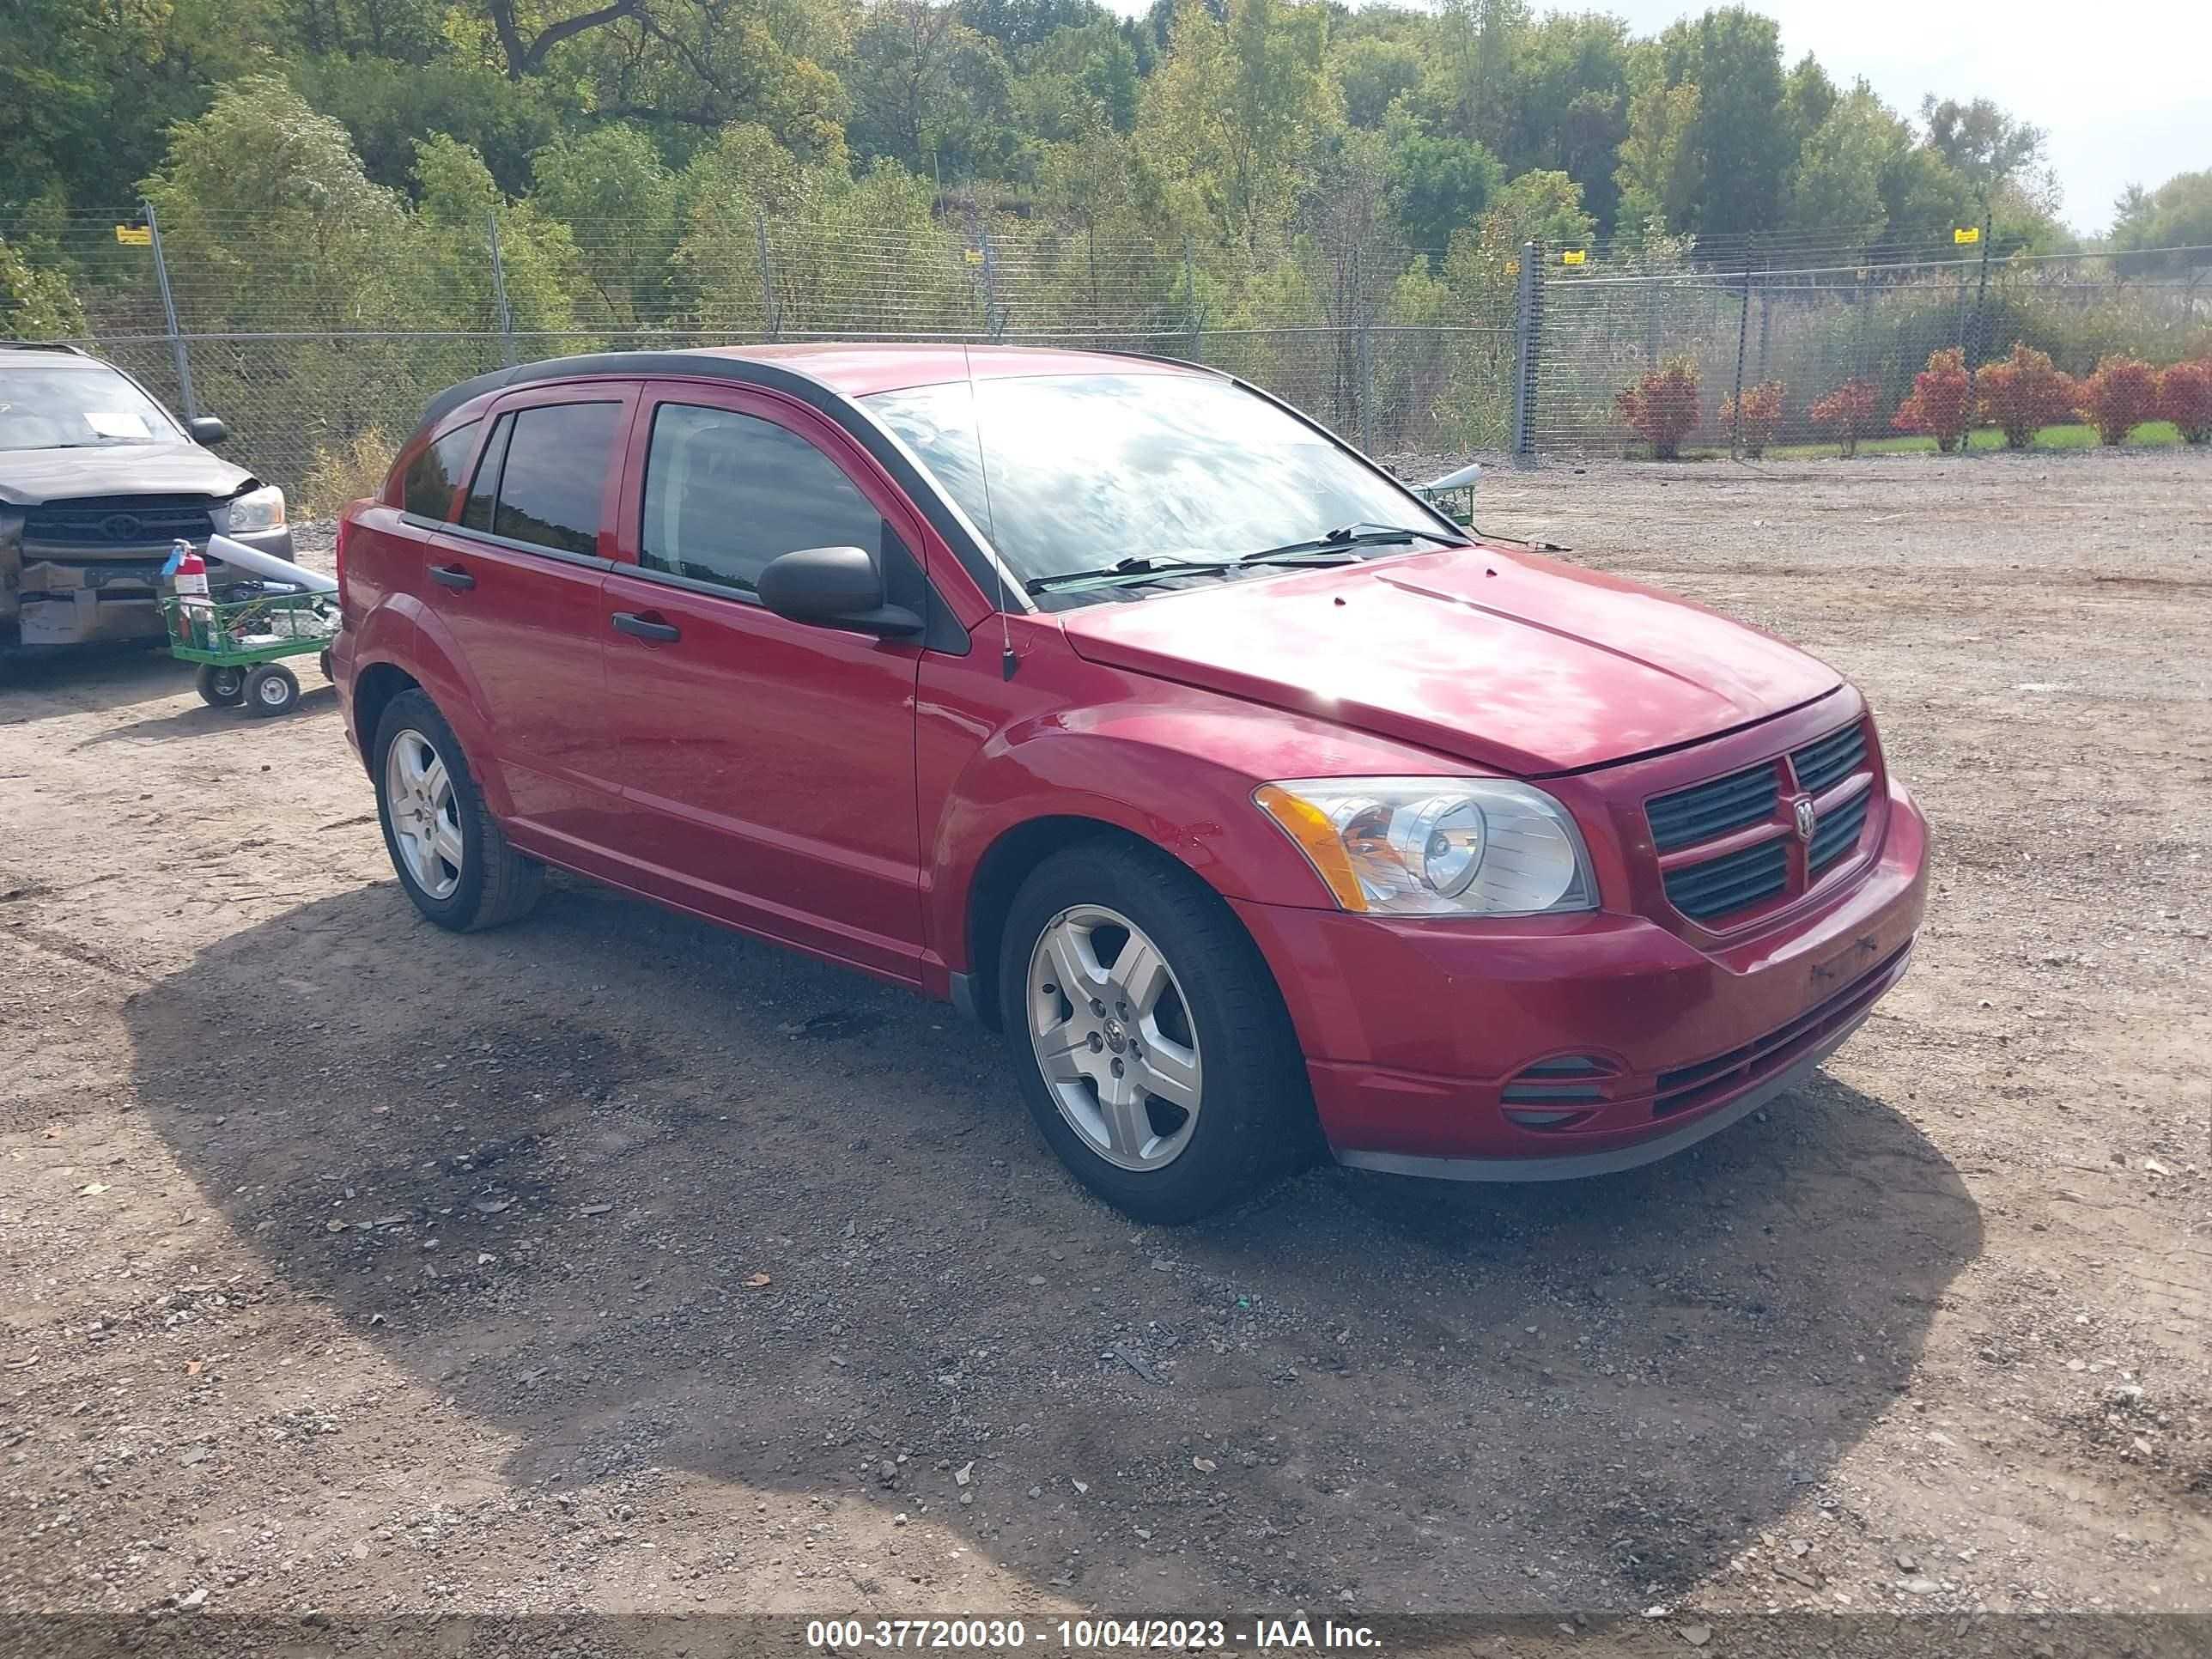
x,y
1143,719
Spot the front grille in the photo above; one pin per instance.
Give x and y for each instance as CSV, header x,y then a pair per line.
x,y
1837,833
1731,882
1831,759
1707,810
119,521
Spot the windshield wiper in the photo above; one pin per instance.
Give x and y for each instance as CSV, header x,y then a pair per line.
x,y
1132,572
1355,535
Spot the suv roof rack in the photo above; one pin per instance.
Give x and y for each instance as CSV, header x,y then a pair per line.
x,y
44,345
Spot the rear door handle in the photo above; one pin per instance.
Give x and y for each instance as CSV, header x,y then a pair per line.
x,y
452,575
646,627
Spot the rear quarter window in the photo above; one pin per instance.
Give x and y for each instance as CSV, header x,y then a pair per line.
x,y
426,489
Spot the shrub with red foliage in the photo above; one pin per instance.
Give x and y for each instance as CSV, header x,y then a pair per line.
x,y
2118,398
1848,412
1938,403
2184,396
1761,413
2023,393
1662,405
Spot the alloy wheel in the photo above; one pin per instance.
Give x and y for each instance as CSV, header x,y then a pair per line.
x,y
425,813
1114,1037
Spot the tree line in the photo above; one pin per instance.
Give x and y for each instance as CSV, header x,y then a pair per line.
x,y
1220,118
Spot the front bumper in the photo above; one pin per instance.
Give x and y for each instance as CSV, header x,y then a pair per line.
x,y
1420,1035
76,597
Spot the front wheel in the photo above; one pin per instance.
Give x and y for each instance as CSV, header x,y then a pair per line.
x,y
1154,1050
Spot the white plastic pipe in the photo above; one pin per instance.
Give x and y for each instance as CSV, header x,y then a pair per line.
x,y
240,556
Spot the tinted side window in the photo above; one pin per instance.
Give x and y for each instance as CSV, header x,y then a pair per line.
x,y
725,492
428,488
556,473
483,494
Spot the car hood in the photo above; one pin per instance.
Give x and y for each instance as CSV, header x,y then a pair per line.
x,y
31,477
1510,660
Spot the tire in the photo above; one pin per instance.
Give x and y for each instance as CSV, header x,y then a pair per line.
x,y
493,883
1218,1023
323,662
271,690
220,687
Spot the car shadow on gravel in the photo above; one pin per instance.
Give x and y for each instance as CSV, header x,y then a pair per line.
x,y
640,1194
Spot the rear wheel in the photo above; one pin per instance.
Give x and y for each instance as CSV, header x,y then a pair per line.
x,y
1154,1050
220,688
452,856
271,690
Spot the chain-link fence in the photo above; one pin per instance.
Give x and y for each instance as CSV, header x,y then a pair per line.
x,y
320,349
1771,332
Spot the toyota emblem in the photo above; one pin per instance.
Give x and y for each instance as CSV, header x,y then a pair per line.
x,y
1801,810
120,526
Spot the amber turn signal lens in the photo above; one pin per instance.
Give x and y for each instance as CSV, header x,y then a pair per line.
x,y
1318,838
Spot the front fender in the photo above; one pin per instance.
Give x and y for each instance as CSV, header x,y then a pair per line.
x,y
1174,766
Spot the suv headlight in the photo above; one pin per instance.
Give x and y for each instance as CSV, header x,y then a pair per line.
x,y
256,509
1433,847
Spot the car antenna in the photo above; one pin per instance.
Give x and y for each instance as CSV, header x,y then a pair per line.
x,y
1007,661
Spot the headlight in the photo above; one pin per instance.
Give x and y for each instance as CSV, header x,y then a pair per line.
x,y
256,509
1433,847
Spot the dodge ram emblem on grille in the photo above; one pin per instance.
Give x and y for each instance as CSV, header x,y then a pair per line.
x,y
1801,810
120,526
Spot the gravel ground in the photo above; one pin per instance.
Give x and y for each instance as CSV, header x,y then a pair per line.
x,y
611,1262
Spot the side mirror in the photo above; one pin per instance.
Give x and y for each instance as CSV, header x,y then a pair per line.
x,y
832,588
206,429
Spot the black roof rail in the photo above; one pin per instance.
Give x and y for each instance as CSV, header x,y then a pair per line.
x,y
44,345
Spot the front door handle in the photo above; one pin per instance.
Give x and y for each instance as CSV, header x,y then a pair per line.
x,y
452,575
646,627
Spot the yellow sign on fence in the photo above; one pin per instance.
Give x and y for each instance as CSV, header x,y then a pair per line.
x,y
134,235
1573,256
1965,234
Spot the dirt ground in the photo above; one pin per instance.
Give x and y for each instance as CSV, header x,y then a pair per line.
x,y
612,1262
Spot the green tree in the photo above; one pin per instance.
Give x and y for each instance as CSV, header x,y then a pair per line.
x,y
1233,106
1837,183
1540,207
265,204
1569,103
618,199
928,91
2176,218
1733,57
36,301
1372,73
449,272
387,104
1987,148
1439,185
87,90
1662,169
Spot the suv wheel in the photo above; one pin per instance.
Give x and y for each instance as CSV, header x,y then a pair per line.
x,y
1154,1050
452,856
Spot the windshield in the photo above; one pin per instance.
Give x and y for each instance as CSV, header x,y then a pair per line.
x,y
57,407
1085,471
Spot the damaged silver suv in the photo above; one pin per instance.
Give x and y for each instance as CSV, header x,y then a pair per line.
x,y
97,482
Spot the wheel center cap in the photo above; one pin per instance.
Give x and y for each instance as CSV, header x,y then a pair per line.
x,y
1116,1038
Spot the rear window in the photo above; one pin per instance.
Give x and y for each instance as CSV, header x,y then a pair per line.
x,y
556,473
433,476
543,475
